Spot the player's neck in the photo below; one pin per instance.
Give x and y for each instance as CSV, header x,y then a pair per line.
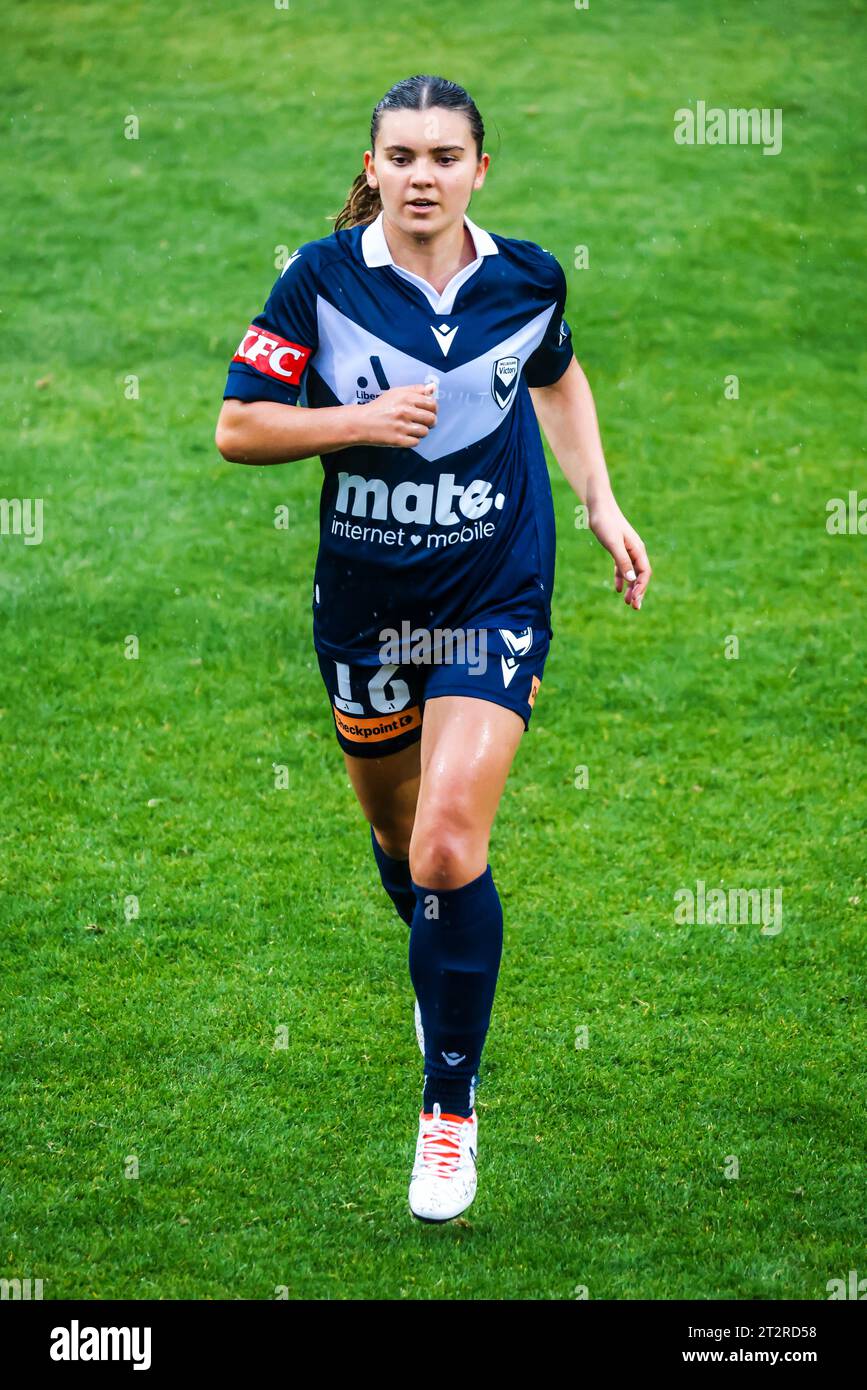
x,y
436,259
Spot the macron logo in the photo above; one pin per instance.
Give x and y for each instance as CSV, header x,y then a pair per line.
x,y
75,1343
444,335
519,643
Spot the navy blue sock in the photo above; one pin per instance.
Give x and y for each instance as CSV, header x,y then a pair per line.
x,y
396,880
455,947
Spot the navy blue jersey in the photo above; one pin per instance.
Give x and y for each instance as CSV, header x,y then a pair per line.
x,y
457,531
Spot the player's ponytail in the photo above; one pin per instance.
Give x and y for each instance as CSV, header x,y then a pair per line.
x,y
363,203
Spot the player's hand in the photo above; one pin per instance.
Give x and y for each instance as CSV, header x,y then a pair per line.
x,y
631,565
400,417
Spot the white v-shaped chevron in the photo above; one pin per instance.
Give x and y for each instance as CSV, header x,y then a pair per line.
x,y
375,250
467,410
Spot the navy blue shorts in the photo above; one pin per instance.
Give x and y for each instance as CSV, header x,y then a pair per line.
x,y
378,706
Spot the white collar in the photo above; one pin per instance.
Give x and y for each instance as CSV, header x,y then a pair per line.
x,y
374,249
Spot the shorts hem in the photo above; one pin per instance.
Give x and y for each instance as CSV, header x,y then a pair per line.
x,y
482,695
380,750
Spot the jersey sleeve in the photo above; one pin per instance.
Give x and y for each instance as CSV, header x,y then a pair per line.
x,y
553,355
272,356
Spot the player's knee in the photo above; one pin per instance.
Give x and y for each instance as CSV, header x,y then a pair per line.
x,y
444,858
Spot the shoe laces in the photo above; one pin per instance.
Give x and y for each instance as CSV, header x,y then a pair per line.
x,y
441,1143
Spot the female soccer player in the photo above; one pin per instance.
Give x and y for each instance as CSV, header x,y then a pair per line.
x,y
425,349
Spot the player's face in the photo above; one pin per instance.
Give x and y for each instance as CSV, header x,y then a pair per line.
x,y
428,155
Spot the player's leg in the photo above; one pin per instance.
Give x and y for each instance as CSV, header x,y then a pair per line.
x,y
457,934
456,939
377,723
467,749
387,791
475,714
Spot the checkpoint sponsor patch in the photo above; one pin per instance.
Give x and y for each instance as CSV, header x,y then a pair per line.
x,y
273,356
379,727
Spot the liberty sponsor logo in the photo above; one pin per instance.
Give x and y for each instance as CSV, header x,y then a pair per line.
x,y
454,395
504,379
519,643
445,503
362,395
273,356
438,646
76,1343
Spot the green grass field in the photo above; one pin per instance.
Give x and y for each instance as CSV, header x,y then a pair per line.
x,y
153,1037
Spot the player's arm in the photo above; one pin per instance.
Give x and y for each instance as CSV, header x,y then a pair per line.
x,y
261,421
567,413
270,432
564,406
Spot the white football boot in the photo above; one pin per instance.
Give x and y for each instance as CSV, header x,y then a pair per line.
x,y
444,1174
419,1031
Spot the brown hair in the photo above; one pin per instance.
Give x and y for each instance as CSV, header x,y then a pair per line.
x,y
363,203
